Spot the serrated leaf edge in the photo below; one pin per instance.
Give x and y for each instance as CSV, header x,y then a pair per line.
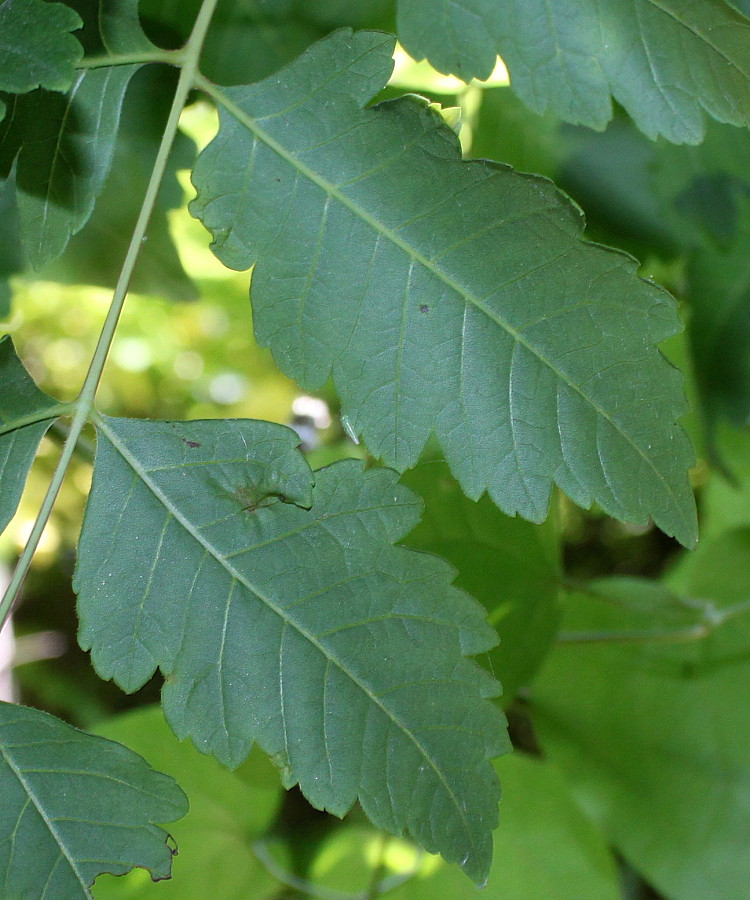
x,y
288,622
248,122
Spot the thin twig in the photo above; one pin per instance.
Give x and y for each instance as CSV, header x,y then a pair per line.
x,y
85,402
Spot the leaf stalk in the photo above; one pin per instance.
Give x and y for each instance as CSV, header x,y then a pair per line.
x,y
38,415
84,404
171,57
711,618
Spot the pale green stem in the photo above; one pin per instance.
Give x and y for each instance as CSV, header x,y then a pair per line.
x,y
470,100
711,618
84,448
171,57
38,415
85,401
377,886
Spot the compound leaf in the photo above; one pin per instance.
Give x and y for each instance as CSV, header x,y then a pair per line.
x,y
302,629
36,48
668,62
444,295
74,806
25,414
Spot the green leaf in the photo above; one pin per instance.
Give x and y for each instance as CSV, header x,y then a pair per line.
x,y
668,62
303,630
36,49
700,188
336,13
611,175
719,295
705,195
75,805
510,566
96,253
67,141
725,504
245,41
651,734
10,247
507,130
544,848
742,5
227,814
25,415
444,296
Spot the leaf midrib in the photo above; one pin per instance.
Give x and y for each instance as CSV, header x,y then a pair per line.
x,y
238,576
47,821
248,122
698,35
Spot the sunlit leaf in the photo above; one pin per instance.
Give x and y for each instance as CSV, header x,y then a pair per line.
x,y
74,806
444,296
302,629
36,48
652,732
227,813
544,848
668,62
25,414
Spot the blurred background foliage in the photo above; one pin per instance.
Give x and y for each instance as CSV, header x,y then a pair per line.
x,y
602,800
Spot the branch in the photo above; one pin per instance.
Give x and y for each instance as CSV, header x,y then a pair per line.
x,y
85,402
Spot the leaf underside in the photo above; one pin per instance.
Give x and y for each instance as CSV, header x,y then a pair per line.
x,y
74,806
668,62
302,629
444,296
36,49
20,399
64,143
95,253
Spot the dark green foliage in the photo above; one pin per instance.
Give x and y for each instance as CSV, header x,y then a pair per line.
x,y
25,414
453,313
35,47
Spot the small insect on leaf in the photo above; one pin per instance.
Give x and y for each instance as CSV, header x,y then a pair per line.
x,y
347,426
